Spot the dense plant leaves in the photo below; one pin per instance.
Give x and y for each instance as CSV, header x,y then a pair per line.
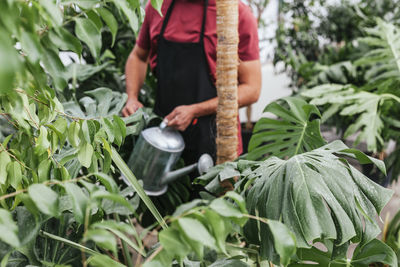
x,y
367,106
383,60
316,194
100,102
295,133
198,226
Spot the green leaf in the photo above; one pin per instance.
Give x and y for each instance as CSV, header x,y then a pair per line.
x,y
94,17
45,199
157,5
113,197
284,241
79,201
42,143
119,125
64,40
111,22
171,241
201,233
316,195
118,229
4,160
8,229
14,174
103,261
374,252
124,169
85,155
109,127
296,131
73,134
226,209
53,11
220,227
85,4
7,71
88,130
229,263
107,181
87,31
129,13
31,46
102,238
44,171
55,68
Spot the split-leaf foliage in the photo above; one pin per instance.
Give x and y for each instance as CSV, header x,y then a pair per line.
x,y
63,205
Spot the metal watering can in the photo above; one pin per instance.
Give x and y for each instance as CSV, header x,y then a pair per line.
x,y
155,154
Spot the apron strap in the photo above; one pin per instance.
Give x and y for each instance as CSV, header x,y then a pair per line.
x,y
168,15
166,19
203,25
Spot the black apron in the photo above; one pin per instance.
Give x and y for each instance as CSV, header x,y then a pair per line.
x,y
183,79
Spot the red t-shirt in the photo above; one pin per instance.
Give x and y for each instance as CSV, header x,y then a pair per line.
x,y
184,25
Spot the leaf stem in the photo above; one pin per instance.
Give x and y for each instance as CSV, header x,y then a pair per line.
x,y
154,254
14,157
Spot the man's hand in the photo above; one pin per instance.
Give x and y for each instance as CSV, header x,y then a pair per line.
x,y
181,117
131,106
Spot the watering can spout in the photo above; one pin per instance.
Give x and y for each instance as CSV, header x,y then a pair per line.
x,y
205,162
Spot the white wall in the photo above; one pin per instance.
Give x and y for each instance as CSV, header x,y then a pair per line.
x,y
274,86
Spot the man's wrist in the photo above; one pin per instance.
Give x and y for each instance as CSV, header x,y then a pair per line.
x,y
196,110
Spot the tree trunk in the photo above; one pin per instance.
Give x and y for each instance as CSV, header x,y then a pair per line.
x,y
227,80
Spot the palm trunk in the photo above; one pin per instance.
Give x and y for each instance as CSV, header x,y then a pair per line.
x,y
227,80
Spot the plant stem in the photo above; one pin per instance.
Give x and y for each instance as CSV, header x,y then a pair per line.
x,y
155,253
125,249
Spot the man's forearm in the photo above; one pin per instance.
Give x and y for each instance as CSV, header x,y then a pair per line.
x,y
245,97
135,73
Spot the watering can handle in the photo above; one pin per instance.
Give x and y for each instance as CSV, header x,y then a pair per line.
x,y
164,124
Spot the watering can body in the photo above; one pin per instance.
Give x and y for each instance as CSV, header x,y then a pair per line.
x,y
155,153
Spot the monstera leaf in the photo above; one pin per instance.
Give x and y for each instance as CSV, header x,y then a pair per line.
x,y
101,102
317,194
383,59
296,132
366,255
364,106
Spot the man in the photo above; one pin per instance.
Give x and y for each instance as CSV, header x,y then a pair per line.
x,y
181,49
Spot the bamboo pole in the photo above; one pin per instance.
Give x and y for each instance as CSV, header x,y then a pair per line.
x,y
227,80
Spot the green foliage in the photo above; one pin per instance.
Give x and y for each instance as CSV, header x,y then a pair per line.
x,y
317,194
392,235
352,102
296,132
214,221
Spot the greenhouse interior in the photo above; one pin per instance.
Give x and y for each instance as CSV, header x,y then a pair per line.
x,y
200,133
